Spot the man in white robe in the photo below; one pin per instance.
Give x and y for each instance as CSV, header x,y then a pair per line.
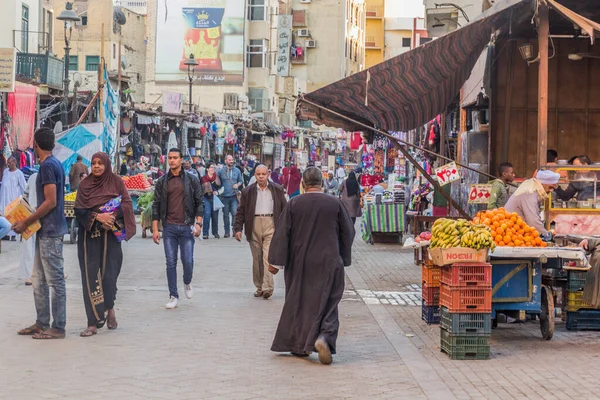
x,y
13,186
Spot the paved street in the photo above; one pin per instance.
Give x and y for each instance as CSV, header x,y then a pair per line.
x,y
216,346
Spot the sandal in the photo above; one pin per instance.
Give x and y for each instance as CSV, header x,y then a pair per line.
x,y
30,330
49,334
88,332
112,324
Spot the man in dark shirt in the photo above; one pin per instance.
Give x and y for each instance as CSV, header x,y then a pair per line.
x,y
178,203
48,266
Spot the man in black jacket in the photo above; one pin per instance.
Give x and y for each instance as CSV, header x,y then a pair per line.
x,y
178,203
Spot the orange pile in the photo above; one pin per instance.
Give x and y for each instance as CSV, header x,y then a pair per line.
x,y
508,229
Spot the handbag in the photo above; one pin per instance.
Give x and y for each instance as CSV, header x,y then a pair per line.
x,y
217,203
238,194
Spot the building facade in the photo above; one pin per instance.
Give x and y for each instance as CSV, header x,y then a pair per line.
x,y
375,32
404,34
442,18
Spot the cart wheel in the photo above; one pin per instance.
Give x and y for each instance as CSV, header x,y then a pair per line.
x,y
73,231
547,314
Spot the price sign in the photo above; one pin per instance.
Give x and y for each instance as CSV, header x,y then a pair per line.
x,y
479,194
154,170
447,173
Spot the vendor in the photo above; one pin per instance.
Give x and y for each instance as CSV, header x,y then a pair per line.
x,y
530,195
580,189
499,192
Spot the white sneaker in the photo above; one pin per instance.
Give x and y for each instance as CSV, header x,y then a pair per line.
x,y
189,291
172,303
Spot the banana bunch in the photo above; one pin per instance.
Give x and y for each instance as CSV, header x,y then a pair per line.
x,y
71,196
448,233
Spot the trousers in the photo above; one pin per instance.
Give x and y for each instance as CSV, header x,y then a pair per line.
x,y
262,234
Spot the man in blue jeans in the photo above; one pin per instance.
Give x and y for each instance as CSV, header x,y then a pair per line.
x,y
231,179
178,203
48,266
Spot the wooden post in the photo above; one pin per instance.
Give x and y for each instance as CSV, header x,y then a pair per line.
x,y
542,133
101,75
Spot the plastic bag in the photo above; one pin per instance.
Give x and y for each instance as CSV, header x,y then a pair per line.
x,y
217,203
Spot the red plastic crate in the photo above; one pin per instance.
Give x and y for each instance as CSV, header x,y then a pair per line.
x,y
431,275
431,295
466,300
467,275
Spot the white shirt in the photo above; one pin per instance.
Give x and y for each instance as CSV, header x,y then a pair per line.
x,y
264,200
340,173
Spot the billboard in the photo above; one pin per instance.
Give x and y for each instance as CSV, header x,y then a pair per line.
x,y
211,30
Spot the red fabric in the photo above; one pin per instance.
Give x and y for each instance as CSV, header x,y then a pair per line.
x,y
21,107
355,141
440,211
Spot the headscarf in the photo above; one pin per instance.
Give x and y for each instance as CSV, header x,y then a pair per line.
x,y
532,186
294,180
95,191
352,188
275,176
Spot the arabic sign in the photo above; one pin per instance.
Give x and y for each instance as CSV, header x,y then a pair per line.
x,y
8,58
171,102
211,30
447,173
479,194
284,34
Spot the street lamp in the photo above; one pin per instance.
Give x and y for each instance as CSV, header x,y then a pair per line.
x,y
69,17
191,64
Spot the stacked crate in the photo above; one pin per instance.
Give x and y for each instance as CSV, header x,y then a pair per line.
x,y
465,312
430,306
580,316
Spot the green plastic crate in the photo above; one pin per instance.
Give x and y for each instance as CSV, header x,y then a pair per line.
x,y
465,347
466,324
576,280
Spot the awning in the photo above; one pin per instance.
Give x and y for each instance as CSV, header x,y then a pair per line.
x,y
412,88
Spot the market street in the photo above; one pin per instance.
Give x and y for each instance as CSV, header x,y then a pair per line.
x,y
217,344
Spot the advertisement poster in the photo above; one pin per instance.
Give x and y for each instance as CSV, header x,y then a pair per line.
x,y
8,59
171,102
210,30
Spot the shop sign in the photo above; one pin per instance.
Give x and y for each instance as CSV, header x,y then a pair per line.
x,y
480,194
8,57
284,33
447,173
171,102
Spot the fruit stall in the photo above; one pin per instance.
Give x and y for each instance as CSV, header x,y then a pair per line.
x,y
69,210
137,185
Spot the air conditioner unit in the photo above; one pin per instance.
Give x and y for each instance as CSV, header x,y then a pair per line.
x,y
230,101
303,32
305,1
270,117
311,44
286,120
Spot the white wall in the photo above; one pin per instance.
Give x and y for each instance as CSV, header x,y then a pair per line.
x,y
10,19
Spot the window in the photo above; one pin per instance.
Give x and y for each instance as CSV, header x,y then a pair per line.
x,y
406,42
73,63
256,53
84,20
257,10
91,63
424,40
24,28
258,99
114,51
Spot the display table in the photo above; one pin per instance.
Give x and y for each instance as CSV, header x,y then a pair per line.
x,y
382,222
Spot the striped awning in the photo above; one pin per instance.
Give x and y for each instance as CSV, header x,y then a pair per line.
x,y
409,90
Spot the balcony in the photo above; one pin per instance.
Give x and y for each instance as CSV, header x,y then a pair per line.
x,y
41,69
374,11
372,43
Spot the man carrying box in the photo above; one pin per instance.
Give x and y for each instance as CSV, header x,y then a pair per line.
x,y
48,265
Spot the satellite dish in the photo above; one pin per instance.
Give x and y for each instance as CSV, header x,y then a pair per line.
x,y
58,127
124,64
77,79
119,16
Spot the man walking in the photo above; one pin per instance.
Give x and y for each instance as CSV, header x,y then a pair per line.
x,y
75,174
187,166
231,179
48,265
178,204
499,192
13,186
313,242
260,207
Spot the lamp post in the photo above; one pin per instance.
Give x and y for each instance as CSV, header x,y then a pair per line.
x,y
191,64
69,17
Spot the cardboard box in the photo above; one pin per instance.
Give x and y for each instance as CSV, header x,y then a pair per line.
x,y
19,210
453,255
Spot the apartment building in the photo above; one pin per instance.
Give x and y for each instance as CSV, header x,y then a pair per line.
x,y
375,32
98,35
404,34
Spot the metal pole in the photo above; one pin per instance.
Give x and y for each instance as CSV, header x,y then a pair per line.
x,y
190,79
65,114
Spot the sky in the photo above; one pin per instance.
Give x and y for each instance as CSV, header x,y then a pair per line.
x,y
404,8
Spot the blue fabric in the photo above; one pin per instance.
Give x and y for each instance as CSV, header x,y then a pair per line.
x,y
4,227
230,207
48,278
228,179
178,237
54,223
208,215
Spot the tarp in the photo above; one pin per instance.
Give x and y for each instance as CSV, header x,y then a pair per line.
x,y
21,108
84,140
411,89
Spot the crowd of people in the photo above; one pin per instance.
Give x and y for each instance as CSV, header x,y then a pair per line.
x,y
309,236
